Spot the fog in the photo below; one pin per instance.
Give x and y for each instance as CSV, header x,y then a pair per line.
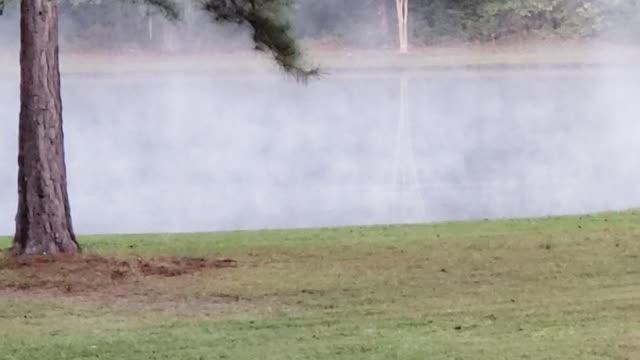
x,y
176,152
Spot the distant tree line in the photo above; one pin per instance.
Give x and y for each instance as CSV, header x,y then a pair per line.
x,y
360,23
455,21
499,19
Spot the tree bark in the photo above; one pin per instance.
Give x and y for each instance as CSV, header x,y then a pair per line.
x,y
43,220
402,8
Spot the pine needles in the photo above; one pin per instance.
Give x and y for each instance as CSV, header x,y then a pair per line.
x,y
271,29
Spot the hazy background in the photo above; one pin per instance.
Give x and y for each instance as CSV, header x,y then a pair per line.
x,y
176,151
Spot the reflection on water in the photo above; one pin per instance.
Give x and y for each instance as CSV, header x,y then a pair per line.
x,y
153,153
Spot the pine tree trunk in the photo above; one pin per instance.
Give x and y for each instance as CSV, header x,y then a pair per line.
x,y
43,221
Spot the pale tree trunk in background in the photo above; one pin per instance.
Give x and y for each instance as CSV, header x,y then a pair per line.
x,y
43,221
383,15
402,8
150,26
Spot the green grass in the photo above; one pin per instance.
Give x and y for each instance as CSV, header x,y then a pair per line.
x,y
554,288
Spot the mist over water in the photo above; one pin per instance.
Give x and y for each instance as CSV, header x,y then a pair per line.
x,y
156,153
174,152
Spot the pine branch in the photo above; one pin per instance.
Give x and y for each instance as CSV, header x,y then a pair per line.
x,y
271,30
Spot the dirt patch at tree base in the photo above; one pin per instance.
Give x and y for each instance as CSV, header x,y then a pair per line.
x,y
90,273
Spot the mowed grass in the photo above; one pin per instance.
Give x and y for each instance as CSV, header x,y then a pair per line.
x,y
553,288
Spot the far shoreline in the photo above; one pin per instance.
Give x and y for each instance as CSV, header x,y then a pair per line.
x,y
518,56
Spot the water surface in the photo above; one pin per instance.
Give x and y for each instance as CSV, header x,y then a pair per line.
x,y
189,152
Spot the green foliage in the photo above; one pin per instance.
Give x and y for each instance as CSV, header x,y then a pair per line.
x,y
482,20
104,23
271,30
268,20
446,21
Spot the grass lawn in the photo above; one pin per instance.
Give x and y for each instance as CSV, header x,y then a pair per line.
x,y
554,288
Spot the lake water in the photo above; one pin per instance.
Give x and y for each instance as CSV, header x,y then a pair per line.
x,y
185,152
